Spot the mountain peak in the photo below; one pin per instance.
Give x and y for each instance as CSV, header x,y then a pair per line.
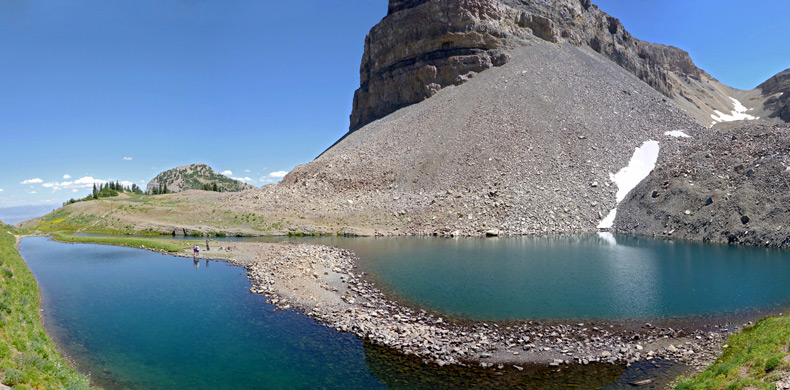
x,y
422,46
194,177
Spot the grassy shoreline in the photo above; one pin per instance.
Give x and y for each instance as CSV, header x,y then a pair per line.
x,y
28,357
160,244
755,358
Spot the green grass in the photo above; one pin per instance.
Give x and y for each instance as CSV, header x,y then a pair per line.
x,y
28,358
754,359
135,242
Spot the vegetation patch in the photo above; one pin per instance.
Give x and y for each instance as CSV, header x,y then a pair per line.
x,y
755,358
136,242
28,358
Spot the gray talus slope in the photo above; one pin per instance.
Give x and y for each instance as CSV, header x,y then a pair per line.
x,y
527,148
727,184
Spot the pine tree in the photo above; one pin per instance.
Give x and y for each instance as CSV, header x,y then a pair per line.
x,y
215,188
166,191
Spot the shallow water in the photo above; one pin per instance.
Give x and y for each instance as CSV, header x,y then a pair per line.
x,y
140,320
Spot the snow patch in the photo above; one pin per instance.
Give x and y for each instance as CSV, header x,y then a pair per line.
x,y
677,134
642,163
738,113
607,237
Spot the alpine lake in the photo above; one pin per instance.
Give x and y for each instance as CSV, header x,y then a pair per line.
x,y
135,319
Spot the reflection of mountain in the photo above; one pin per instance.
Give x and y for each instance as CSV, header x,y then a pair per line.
x,y
408,372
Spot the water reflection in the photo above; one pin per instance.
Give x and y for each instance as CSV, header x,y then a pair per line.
x,y
407,372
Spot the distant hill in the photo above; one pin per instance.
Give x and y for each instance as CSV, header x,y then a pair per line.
x,y
195,177
16,214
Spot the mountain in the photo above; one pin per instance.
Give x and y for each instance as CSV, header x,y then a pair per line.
x,y
422,46
506,117
525,147
16,214
194,177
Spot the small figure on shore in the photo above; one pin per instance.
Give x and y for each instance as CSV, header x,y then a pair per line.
x,y
207,248
194,251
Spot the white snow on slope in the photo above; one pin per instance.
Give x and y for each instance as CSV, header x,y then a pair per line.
x,y
738,113
677,134
642,163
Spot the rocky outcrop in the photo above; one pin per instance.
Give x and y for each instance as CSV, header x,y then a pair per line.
x,y
425,45
776,91
728,184
194,177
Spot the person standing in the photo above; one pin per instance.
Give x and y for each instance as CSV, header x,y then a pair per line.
x,y
207,248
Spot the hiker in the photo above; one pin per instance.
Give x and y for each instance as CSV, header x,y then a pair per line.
x,y
207,249
194,251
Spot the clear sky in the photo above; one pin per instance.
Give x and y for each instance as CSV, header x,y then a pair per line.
x,y
123,89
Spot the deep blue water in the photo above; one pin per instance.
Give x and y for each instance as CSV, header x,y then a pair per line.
x,y
135,319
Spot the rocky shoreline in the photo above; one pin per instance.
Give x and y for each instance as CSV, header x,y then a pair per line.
x,y
325,284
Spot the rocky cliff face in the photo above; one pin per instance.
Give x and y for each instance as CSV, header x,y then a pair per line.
x,y
425,45
776,92
194,177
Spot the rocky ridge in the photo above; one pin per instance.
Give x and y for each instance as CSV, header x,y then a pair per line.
x,y
776,90
728,184
421,47
193,177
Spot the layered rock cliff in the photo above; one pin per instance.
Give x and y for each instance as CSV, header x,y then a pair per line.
x,y
422,46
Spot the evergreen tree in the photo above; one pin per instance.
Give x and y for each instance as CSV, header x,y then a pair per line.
x,y
166,191
95,191
215,189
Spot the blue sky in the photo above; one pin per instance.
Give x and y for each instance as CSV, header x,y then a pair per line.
x,y
121,90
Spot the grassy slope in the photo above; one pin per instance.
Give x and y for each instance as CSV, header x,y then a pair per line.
x,y
28,358
755,358
155,215
135,242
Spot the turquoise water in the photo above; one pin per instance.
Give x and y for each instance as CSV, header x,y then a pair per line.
x,y
135,319
588,277
592,277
